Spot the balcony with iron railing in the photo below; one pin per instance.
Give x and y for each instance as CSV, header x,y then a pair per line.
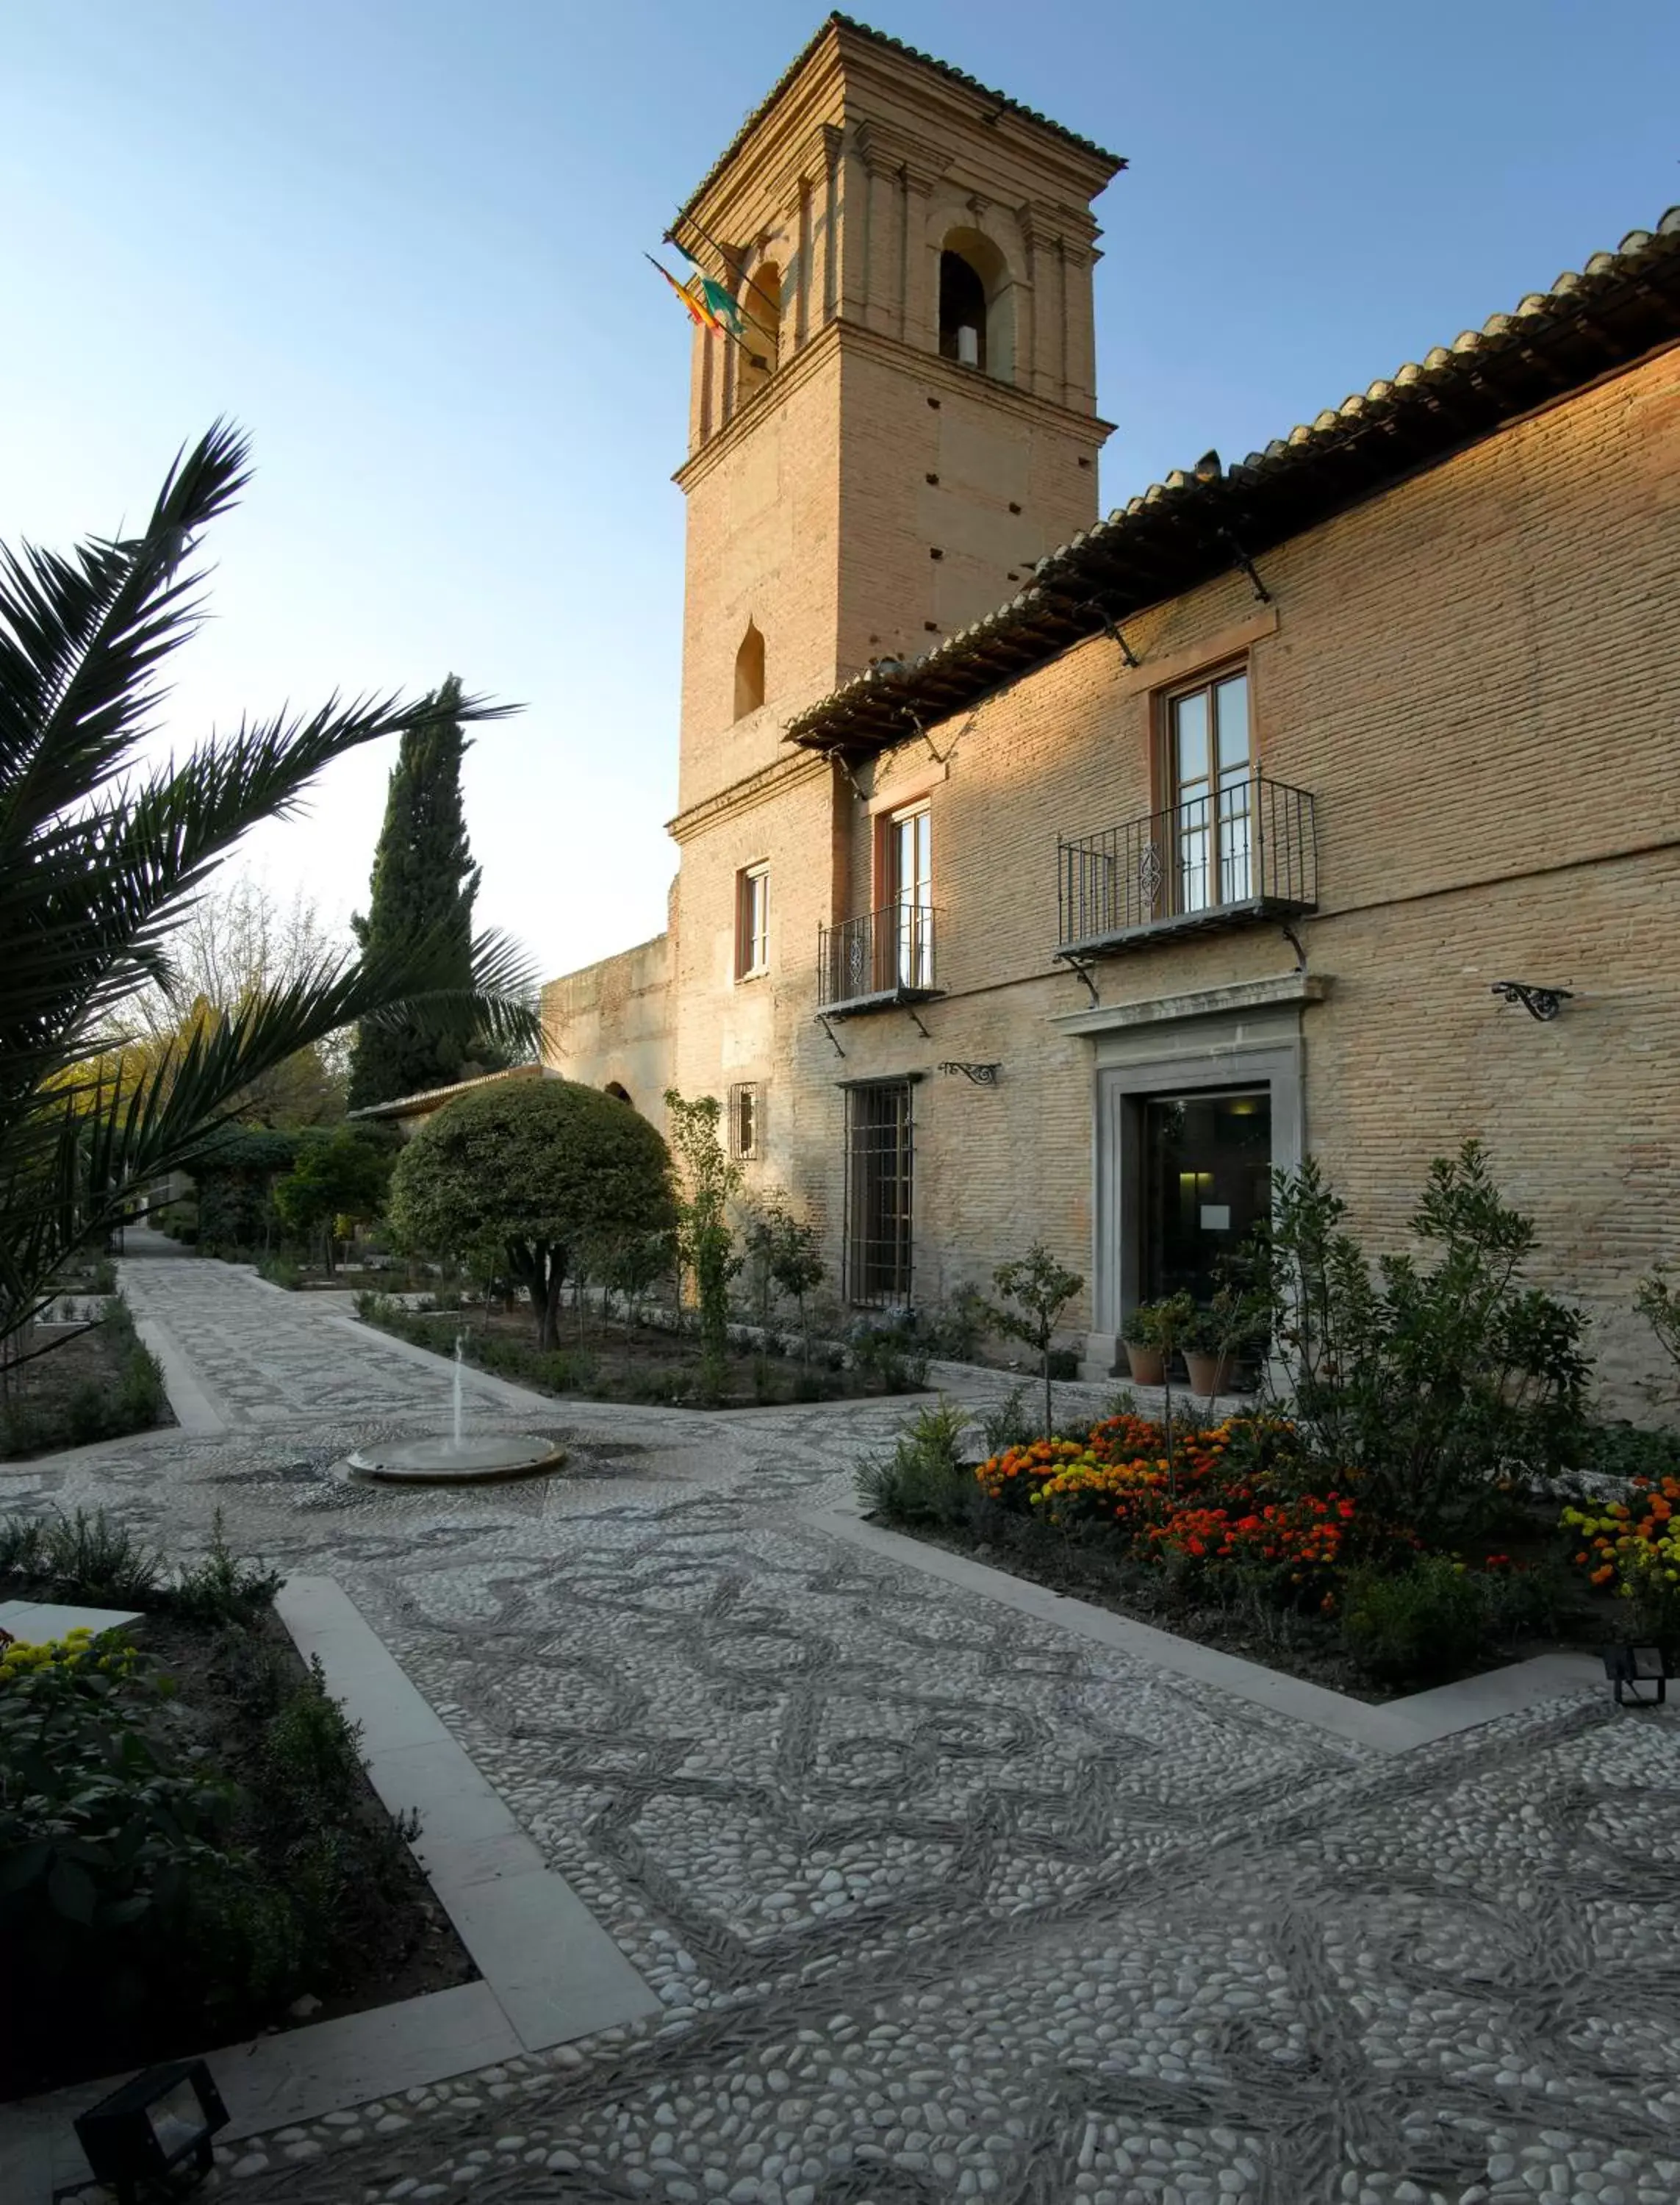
x,y
882,961
1248,851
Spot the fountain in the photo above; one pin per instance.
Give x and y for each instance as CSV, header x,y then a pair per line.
x,y
457,1460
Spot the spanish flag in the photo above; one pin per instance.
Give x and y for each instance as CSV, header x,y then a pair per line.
x,y
708,305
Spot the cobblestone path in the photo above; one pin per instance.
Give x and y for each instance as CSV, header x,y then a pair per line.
x,y
941,1902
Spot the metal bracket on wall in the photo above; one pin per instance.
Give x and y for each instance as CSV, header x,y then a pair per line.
x,y
829,1031
980,1075
1247,565
1542,1003
916,1015
1296,943
1115,634
1074,965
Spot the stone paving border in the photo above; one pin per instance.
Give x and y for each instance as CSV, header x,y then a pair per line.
x,y
549,1973
1394,1726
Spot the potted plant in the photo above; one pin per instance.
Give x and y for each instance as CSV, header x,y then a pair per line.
x,y
1143,1345
1216,1339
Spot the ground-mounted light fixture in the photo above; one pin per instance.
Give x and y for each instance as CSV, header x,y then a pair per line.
x,y
153,2126
1543,1003
1630,1667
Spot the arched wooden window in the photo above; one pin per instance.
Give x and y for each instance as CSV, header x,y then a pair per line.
x,y
749,672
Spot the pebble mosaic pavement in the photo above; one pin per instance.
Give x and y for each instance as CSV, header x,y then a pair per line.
x,y
940,1901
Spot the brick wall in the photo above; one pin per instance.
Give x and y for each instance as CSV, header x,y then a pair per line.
x,y
1468,675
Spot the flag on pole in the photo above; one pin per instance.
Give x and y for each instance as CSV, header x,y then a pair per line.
x,y
708,305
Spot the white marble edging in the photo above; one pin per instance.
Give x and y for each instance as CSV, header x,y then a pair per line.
x,y
1395,1727
548,1971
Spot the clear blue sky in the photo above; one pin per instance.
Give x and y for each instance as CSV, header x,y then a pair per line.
x,y
400,241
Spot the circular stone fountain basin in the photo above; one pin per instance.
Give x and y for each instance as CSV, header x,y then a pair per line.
x,y
456,1462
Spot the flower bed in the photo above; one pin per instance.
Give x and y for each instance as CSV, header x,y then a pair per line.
x,y
189,1850
1631,1548
1230,1533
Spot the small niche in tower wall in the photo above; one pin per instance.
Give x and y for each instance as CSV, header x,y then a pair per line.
x,y
1084,463
933,478
934,402
1013,508
933,552
932,627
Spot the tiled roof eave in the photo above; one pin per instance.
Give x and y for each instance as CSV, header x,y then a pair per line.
x,y
1185,530
837,21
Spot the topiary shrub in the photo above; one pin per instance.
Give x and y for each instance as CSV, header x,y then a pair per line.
x,y
523,1176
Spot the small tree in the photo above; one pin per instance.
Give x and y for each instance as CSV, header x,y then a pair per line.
x,y
1438,1375
709,1180
525,1173
1657,1298
796,1269
783,1252
1039,1290
344,1176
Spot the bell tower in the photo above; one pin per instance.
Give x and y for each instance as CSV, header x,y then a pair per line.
x,y
909,418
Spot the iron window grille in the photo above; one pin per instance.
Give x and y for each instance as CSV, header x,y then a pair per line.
x,y
880,1155
746,1118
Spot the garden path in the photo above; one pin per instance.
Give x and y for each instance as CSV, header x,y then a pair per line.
x,y
941,1901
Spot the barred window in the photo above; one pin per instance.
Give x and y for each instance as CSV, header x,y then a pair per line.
x,y
746,1118
878,1160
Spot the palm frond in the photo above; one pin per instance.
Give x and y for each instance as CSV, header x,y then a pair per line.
x,y
95,874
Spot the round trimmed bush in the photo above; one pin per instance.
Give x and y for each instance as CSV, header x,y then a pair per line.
x,y
527,1175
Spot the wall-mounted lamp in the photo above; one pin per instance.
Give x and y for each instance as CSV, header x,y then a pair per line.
x,y
1543,1003
978,1075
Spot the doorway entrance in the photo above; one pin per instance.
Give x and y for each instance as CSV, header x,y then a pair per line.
x,y
1206,1181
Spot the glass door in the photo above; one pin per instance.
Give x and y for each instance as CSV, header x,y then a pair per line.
x,y
1207,1182
1210,771
910,855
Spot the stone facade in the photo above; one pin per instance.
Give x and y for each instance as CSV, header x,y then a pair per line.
x,y
1463,673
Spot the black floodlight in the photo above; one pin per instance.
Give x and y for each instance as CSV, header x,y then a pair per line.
x,y
1630,1667
152,2126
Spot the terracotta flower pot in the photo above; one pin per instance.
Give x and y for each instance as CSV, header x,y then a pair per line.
x,y
1210,1374
1149,1364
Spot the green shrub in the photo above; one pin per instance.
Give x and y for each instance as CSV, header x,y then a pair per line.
x,y
94,1558
1009,1424
1443,1377
281,1271
886,1352
1414,1624
922,1480
218,1588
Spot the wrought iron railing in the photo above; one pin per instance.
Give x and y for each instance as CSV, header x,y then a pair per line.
x,y
887,954
1250,846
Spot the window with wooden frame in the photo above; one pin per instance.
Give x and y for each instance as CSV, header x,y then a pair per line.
x,y
1207,780
904,946
746,1120
752,921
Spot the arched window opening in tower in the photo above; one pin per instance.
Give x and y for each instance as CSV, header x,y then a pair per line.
x,y
750,672
761,311
962,311
976,304
618,1091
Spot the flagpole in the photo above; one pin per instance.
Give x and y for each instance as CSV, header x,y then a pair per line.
x,y
757,359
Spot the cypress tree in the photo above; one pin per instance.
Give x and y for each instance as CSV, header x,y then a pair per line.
x,y
423,877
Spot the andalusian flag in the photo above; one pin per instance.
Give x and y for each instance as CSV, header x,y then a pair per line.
x,y
709,306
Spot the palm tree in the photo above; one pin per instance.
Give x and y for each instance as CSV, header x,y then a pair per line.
x,y
101,857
